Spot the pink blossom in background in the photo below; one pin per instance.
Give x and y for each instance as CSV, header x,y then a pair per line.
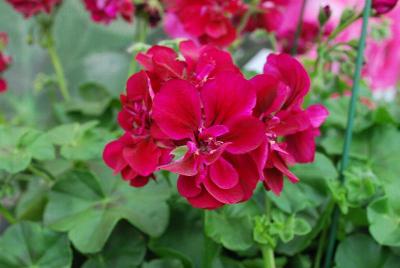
x,y
380,54
105,11
383,6
29,8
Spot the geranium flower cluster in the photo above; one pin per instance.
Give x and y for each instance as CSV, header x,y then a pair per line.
x,y
207,21
4,60
30,8
196,115
105,11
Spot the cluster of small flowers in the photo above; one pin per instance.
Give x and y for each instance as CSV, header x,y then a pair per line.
x,y
196,115
4,60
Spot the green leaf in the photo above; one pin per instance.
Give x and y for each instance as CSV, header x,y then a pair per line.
x,y
164,263
232,226
360,251
125,248
32,202
184,237
88,207
28,244
384,219
311,191
301,226
19,145
80,141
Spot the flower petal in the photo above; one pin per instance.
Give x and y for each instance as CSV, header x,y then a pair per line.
x,y
273,180
245,134
227,97
223,174
143,157
317,114
301,146
187,186
188,165
227,196
205,201
113,157
176,109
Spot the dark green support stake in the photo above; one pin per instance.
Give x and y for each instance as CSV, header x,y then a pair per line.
x,y
349,130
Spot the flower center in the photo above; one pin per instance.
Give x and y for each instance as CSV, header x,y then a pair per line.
x,y
140,118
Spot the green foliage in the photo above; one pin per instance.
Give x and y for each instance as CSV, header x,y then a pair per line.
x,y
28,244
89,207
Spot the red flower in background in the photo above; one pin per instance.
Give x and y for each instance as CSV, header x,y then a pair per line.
x,y
5,61
105,11
269,16
290,130
29,8
207,21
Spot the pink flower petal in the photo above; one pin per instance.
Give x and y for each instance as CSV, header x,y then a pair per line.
x,y
301,146
317,114
187,186
205,201
176,109
226,196
245,134
227,97
223,174
273,180
113,157
143,157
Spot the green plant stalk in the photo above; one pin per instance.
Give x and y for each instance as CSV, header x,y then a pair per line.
x,y
55,60
349,129
299,28
209,250
7,214
140,37
267,250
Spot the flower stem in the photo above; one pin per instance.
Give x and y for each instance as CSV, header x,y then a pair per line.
x,y
349,128
7,214
299,28
267,250
55,60
140,37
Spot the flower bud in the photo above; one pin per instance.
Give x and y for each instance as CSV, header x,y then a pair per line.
x,y
325,13
383,6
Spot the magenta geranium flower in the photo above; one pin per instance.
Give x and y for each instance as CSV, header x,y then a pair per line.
x,y
207,21
138,153
290,130
105,11
30,8
217,129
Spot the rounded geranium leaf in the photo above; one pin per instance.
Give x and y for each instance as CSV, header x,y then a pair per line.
x,y
89,207
29,244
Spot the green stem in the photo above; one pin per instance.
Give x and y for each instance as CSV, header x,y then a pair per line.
x,y
321,246
42,173
344,26
349,129
140,37
299,28
267,250
210,248
7,214
55,60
